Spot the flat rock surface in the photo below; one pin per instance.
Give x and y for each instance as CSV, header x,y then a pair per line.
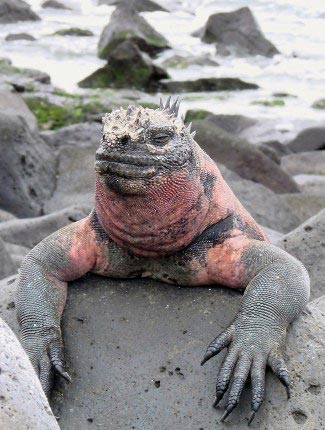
x,y
134,349
309,163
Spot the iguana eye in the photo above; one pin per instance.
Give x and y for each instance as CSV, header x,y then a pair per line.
x,y
161,138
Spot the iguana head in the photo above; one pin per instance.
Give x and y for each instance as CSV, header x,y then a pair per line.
x,y
140,144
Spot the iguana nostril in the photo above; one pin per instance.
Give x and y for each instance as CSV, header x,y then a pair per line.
x,y
124,140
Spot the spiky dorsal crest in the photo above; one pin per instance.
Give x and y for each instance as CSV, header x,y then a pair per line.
x,y
171,108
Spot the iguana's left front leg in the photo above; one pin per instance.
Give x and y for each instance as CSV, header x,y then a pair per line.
x,y
277,290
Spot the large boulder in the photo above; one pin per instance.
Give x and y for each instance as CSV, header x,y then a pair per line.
x,y
16,10
268,208
87,133
243,158
76,178
126,24
30,231
207,84
27,168
158,333
7,266
307,243
309,163
310,139
234,124
23,402
237,32
13,104
138,5
127,67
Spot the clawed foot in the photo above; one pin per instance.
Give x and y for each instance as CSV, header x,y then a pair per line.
x,y
45,351
250,349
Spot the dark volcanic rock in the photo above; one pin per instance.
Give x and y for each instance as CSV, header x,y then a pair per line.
x,y
207,84
54,4
310,139
7,266
137,345
127,67
125,24
16,10
307,243
243,158
237,32
74,31
30,231
27,168
23,402
19,36
138,5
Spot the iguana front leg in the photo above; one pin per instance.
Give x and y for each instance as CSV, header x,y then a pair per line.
x,y
277,290
42,289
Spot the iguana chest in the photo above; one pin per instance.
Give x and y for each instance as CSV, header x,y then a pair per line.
x,y
186,267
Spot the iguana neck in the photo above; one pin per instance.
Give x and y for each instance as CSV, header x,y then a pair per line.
x,y
161,222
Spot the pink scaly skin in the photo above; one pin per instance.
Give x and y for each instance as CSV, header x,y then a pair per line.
x,y
162,210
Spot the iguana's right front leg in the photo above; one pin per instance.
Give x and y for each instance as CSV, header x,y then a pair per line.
x,y
42,289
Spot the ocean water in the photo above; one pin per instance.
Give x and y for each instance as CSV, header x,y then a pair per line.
x,y
296,27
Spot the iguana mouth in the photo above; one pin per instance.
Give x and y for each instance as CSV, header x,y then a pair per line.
x,y
124,168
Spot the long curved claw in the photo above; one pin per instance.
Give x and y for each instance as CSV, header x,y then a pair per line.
x,y
258,383
278,365
60,370
240,376
225,375
217,345
55,351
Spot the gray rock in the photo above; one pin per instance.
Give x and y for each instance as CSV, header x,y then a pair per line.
x,y
242,157
76,178
21,79
274,150
30,231
54,4
19,36
124,24
138,5
207,84
74,31
16,10
307,243
237,32
310,139
137,345
268,208
23,402
88,133
17,254
305,205
27,168
6,216
311,184
273,235
127,67
13,104
7,265
181,62
312,163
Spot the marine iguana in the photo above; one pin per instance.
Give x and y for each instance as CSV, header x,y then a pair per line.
x,y
162,210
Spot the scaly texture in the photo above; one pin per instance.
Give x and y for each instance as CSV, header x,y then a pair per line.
x,y
162,210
